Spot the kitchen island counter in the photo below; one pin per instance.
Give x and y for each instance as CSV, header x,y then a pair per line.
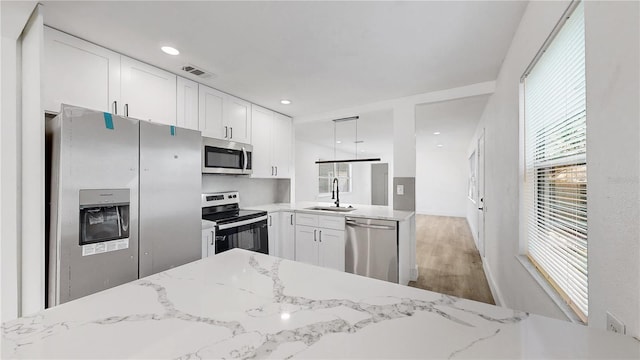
x,y
240,304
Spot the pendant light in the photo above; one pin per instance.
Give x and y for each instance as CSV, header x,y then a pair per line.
x,y
355,159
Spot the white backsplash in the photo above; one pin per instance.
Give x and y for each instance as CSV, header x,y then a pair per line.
x,y
252,191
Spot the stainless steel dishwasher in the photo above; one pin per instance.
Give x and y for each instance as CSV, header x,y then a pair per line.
x,y
372,248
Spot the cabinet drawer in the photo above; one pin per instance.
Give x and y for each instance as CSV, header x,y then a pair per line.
x,y
306,219
331,222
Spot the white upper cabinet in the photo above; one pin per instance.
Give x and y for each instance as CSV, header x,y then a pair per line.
x,y
211,114
147,92
237,113
281,144
272,142
187,104
76,72
261,124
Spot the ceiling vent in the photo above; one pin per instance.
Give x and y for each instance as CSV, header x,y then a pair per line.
x,y
197,71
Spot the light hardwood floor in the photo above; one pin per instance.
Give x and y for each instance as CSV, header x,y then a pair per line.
x,y
448,260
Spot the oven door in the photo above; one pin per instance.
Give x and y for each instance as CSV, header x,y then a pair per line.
x,y
249,235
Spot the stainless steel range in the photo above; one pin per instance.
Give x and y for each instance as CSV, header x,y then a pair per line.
x,y
235,228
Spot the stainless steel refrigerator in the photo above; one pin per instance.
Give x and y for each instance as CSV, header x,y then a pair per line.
x,y
124,201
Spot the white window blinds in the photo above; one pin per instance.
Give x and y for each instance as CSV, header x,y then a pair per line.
x,y
555,163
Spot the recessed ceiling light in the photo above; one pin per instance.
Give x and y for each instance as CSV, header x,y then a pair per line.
x,y
436,133
338,142
285,102
169,50
439,145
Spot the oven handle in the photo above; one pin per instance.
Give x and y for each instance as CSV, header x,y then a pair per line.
x,y
241,223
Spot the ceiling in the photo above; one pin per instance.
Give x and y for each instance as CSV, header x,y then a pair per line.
x,y
372,132
322,56
456,120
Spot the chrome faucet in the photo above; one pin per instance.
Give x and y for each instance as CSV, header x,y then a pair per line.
x,y
335,194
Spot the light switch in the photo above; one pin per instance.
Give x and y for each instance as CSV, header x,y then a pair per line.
x,y
400,190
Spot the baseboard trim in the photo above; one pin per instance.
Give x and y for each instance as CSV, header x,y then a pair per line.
x,y
414,274
495,291
439,213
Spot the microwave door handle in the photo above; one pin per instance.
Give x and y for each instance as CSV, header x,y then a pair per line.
x,y
246,160
119,222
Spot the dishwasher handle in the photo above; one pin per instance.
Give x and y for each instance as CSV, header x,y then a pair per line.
x,y
369,226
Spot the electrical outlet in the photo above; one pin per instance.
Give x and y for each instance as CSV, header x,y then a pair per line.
x,y
400,190
615,325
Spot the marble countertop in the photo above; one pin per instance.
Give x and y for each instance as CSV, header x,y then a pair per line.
x,y
240,304
361,211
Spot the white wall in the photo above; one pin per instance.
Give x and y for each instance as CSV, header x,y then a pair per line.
x,y
500,120
613,161
441,179
252,191
14,16
307,175
613,133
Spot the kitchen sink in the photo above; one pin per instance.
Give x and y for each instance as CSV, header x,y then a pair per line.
x,y
331,208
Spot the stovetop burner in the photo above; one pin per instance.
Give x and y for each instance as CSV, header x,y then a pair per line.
x,y
223,208
233,216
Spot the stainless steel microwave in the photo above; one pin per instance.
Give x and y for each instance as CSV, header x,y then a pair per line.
x,y
226,157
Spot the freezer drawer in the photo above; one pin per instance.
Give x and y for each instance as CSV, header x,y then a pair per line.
x,y
372,248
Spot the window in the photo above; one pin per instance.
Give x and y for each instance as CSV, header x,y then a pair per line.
x,y
555,163
326,174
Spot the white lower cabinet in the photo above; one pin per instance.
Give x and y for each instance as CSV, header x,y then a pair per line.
x,y
287,244
208,242
318,245
273,220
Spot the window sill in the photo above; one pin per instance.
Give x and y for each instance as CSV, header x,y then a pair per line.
x,y
555,297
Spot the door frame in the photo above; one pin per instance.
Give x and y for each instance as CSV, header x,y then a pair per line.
x,y
481,192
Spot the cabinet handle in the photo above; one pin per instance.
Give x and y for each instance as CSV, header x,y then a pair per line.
x,y
272,171
320,237
270,221
226,132
126,110
291,219
213,237
115,107
276,171
314,235
231,137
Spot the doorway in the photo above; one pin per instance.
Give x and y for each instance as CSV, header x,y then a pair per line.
x,y
380,184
